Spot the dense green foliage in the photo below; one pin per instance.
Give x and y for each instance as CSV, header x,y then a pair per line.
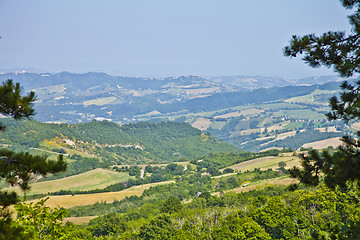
x,y
341,168
115,144
213,162
269,213
186,187
18,169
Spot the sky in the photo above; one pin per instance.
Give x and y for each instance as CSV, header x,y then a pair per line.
x,y
160,38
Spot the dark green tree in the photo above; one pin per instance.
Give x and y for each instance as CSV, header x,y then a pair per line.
x,y
282,164
19,168
109,224
160,227
341,51
171,205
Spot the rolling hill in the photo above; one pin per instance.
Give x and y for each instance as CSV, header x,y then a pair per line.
x,y
101,143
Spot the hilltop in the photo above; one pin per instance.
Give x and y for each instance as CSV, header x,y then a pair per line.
x,y
102,143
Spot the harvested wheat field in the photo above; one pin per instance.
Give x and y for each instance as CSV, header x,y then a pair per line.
x,y
335,142
69,201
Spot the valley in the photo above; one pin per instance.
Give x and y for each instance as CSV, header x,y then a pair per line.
x,y
205,143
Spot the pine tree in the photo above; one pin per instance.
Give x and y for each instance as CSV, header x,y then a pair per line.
x,y
19,168
341,51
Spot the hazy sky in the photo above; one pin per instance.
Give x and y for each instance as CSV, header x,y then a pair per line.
x,y
162,37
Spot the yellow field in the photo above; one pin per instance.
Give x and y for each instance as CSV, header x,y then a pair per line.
x,y
99,101
202,123
265,183
241,113
201,90
261,184
79,220
69,201
246,132
335,142
327,129
278,126
310,98
97,178
356,126
266,163
281,136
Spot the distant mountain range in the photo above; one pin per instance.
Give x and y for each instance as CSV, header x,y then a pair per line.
x,y
73,98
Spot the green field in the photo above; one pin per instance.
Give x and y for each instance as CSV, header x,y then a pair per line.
x,y
301,114
217,124
313,98
97,178
266,163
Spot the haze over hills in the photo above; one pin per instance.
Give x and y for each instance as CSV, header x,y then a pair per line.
x,y
73,98
250,112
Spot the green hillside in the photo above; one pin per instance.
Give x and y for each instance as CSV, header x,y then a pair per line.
x,y
101,143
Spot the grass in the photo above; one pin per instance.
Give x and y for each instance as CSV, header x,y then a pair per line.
x,y
97,178
217,124
79,220
335,142
244,112
356,126
301,114
312,97
266,163
281,136
69,151
201,123
278,105
260,185
99,101
265,183
69,201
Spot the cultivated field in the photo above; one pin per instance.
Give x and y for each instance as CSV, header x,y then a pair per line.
x,y
99,101
245,112
201,90
327,129
281,136
79,220
301,114
69,201
266,163
202,123
260,184
265,183
97,178
311,98
335,142
356,126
